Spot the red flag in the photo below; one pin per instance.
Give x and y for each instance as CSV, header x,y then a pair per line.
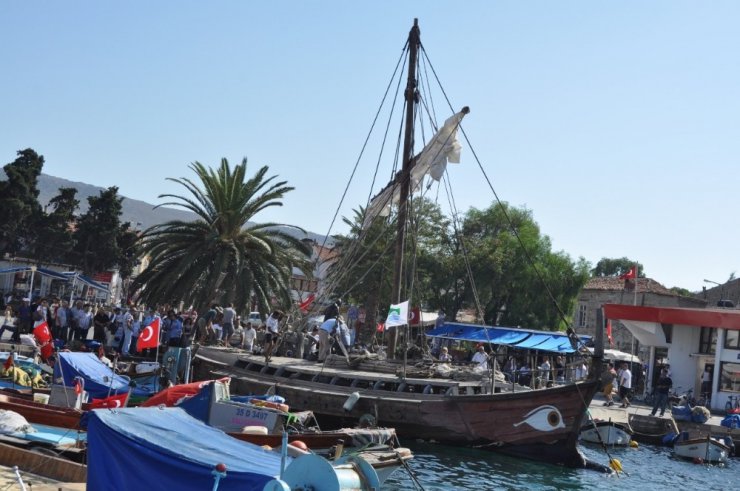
x,y
41,333
307,303
9,362
78,386
149,336
632,273
110,402
609,332
44,339
380,327
415,318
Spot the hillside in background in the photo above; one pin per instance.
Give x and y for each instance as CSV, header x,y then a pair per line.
x,y
141,214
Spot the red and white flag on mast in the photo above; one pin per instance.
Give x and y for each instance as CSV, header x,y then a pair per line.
x,y
149,336
609,332
629,275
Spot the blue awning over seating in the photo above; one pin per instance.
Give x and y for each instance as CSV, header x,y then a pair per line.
x,y
556,342
85,280
27,269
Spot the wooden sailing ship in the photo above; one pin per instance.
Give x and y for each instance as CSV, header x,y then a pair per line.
x,y
542,424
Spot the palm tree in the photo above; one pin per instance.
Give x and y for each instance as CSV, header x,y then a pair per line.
x,y
220,256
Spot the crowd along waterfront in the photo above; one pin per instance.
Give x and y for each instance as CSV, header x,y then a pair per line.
x,y
440,467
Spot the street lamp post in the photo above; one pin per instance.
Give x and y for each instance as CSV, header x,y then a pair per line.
x,y
721,290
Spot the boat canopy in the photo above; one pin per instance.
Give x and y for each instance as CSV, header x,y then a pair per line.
x,y
556,342
164,448
27,269
100,380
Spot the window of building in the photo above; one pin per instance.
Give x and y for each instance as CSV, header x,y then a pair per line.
x,y
708,340
729,379
582,310
732,339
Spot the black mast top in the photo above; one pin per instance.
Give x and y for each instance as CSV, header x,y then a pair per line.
x,y
405,180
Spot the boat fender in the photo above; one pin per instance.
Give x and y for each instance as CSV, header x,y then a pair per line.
x,y
634,444
349,404
254,430
670,438
299,444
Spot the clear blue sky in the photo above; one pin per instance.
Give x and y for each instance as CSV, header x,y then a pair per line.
x,y
616,123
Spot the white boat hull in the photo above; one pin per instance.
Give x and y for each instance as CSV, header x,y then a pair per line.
x,y
706,450
610,434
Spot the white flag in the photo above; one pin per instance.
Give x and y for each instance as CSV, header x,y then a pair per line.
x,y
398,315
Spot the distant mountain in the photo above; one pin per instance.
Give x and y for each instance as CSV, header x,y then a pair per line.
x,y
141,214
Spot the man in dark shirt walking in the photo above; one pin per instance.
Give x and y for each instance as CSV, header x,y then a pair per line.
x,y
662,388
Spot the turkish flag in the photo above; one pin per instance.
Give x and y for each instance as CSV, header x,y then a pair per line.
x,y
110,402
149,336
632,273
44,339
42,333
380,327
415,318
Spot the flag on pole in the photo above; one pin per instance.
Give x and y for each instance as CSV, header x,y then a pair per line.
x,y
149,337
632,273
9,362
44,339
609,332
398,315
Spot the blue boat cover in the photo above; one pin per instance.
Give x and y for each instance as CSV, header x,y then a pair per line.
x,y
164,448
557,342
99,378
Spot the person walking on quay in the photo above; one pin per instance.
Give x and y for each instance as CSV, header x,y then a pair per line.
x,y
662,388
100,325
326,330
625,385
63,315
607,381
272,325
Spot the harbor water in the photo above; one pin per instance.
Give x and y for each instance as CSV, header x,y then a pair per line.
x,y
438,467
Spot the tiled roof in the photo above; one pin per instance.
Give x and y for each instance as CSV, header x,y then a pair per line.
x,y
612,283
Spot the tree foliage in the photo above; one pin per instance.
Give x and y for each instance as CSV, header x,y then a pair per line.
x,y
96,238
221,256
616,267
20,211
55,240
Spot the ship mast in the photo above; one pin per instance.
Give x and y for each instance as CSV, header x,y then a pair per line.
x,y
408,159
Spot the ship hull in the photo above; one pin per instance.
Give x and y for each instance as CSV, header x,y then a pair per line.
x,y
540,424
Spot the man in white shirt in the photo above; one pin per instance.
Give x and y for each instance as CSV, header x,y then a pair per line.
x,y
249,336
228,322
625,385
272,326
481,357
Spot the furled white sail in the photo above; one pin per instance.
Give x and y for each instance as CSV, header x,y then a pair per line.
x,y
442,149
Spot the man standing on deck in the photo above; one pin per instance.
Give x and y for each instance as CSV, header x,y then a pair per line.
x,y
228,322
325,331
272,326
625,385
249,336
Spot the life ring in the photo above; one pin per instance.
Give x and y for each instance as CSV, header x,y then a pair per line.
x,y
271,405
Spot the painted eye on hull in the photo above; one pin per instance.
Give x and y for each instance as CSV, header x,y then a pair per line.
x,y
544,418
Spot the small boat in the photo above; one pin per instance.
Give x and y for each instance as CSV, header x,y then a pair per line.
x,y
607,432
701,449
652,430
168,447
261,421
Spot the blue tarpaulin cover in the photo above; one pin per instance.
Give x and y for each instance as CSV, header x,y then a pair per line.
x,y
99,378
164,448
509,336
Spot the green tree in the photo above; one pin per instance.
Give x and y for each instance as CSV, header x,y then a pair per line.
x,y
20,211
96,238
519,283
55,241
220,256
616,267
